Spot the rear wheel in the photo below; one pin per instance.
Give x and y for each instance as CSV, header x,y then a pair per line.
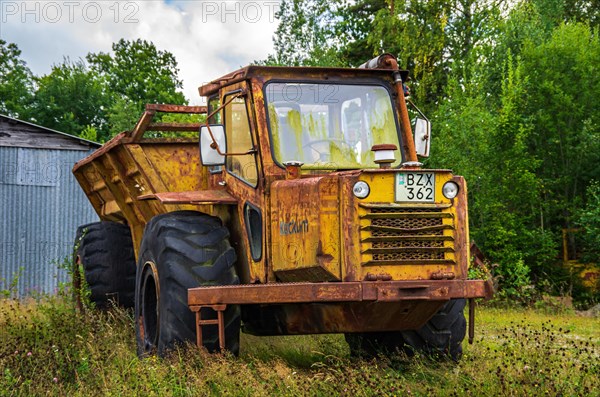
x,y
182,250
441,337
105,251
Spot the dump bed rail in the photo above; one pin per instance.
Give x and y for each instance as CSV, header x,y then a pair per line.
x,y
122,178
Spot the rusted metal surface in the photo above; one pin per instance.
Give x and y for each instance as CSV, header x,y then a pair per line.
x,y
383,61
193,197
141,126
114,142
305,308
305,237
219,322
263,72
173,127
167,108
410,240
380,291
115,176
318,318
461,233
471,320
293,169
247,193
144,123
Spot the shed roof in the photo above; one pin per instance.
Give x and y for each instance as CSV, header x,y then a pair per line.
x,y
18,133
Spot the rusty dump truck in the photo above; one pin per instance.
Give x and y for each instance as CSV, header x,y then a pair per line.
x,y
297,205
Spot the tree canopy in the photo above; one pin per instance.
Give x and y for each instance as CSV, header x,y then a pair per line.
x,y
136,73
16,82
97,97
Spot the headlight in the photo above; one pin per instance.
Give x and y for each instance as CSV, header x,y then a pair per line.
x,y
361,189
450,190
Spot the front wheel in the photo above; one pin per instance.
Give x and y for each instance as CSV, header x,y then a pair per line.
x,y
441,337
182,250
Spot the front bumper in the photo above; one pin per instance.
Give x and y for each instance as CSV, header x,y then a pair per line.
x,y
360,291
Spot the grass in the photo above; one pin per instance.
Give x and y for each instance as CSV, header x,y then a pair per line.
x,y
47,349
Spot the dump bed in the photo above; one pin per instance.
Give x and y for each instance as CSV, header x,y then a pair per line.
x,y
122,178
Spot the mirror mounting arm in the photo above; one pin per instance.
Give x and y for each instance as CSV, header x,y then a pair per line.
x,y
214,144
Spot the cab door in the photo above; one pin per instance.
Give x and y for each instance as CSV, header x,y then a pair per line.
x,y
242,176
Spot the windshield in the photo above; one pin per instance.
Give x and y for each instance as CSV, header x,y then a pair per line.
x,y
330,126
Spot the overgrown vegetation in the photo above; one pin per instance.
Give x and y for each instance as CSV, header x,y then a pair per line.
x,y
588,219
48,349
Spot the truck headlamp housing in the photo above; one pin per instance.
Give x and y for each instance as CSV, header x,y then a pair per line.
x,y
361,189
450,190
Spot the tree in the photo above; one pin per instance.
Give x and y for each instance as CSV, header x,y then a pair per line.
x,y
588,219
355,22
564,105
486,140
436,39
305,34
16,82
536,101
414,32
137,73
71,98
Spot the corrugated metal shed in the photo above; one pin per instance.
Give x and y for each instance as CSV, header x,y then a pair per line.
x,y
41,204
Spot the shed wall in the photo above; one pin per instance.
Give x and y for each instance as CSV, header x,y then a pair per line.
x,y
41,206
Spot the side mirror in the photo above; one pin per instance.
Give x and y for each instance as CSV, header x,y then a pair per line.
x,y
422,136
208,146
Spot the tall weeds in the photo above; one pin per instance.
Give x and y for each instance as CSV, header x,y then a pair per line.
x,y
47,348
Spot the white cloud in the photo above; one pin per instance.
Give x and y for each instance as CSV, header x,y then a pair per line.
x,y
208,38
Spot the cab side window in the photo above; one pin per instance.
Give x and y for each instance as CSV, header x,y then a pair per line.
x,y
214,103
239,140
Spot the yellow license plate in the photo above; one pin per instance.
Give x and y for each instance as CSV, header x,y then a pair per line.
x,y
415,187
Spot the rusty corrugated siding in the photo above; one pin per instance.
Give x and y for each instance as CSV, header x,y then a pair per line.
x,y
41,205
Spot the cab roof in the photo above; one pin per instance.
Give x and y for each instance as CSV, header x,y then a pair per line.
x,y
265,73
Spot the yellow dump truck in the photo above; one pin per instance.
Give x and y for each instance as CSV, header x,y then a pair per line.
x,y
299,206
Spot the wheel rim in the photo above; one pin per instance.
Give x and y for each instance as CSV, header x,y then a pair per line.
x,y
149,310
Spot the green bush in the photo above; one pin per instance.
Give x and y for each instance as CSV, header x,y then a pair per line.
x,y
588,219
514,282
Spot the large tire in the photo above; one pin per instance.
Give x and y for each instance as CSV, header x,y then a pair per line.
x,y
441,337
105,250
443,334
182,250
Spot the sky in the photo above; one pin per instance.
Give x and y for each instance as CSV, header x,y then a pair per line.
x,y
208,38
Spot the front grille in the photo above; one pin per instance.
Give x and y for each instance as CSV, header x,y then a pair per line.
x,y
405,223
391,234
